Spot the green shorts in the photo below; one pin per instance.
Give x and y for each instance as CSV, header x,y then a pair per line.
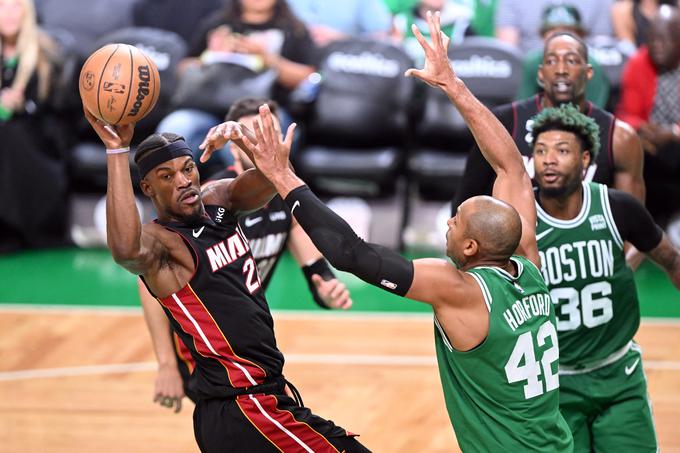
x,y
608,409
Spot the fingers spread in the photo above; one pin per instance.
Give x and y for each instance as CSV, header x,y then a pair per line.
x,y
290,133
421,39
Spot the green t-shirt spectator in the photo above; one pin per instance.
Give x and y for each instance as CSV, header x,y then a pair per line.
x,y
483,21
400,6
597,89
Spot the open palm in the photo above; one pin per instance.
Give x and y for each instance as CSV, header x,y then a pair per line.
x,y
437,70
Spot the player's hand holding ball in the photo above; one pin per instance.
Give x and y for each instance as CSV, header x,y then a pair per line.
x,y
119,85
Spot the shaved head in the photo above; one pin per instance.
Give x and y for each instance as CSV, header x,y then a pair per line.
x,y
495,225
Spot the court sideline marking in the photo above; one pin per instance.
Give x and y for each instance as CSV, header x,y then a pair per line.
x,y
315,359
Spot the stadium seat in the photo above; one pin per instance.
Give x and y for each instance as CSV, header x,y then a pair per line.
x,y
492,71
358,125
612,57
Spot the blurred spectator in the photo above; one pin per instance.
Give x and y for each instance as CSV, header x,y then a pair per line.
x,y
86,21
259,35
330,21
32,172
179,16
565,74
558,18
400,6
455,21
518,21
631,20
650,102
484,12
484,18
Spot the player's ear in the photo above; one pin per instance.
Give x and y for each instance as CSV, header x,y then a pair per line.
x,y
586,158
470,247
146,188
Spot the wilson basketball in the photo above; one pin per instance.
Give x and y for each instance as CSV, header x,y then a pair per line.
x,y
119,84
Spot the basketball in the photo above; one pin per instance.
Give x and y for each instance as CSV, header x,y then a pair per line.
x,y
119,84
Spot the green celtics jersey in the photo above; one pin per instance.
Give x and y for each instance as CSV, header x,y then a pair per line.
x,y
502,395
583,263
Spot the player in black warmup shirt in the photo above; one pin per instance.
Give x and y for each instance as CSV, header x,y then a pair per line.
x,y
196,261
269,231
564,73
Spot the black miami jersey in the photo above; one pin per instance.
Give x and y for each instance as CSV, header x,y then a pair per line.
x,y
266,229
221,315
267,232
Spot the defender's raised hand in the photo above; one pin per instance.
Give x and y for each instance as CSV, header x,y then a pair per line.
x,y
437,70
219,135
271,151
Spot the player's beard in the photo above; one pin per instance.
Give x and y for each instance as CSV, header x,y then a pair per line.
x,y
191,218
571,185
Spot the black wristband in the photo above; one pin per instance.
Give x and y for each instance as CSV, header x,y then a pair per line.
x,y
321,268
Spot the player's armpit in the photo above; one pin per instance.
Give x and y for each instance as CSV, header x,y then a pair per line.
x,y
153,247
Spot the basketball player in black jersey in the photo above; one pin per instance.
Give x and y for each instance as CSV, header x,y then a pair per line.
x,y
269,231
563,74
196,261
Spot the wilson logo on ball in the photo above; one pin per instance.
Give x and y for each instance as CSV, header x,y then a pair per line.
x,y
142,89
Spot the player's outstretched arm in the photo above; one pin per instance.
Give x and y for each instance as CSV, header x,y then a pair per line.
x,y
131,247
334,238
668,257
168,389
512,182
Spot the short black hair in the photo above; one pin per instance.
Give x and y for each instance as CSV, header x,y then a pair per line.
x,y
583,47
568,118
153,143
250,106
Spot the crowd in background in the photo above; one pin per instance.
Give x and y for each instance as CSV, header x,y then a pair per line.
x,y
276,46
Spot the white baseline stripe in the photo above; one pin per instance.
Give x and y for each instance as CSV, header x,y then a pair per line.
x,y
313,315
314,359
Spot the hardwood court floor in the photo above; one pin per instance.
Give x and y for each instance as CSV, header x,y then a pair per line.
x,y
82,381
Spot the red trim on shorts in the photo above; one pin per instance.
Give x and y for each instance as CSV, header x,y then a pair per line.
x,y
281,436
235,366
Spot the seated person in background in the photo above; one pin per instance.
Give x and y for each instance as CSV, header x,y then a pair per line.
x,y
456,16
259,35
179,16
483,18
650,94
330,21
32,169
631,20
518,21
558,18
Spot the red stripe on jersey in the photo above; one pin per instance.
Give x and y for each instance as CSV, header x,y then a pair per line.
x,y
209,340
280,427
183,353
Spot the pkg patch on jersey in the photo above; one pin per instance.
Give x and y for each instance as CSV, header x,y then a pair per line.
x,y
597,222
